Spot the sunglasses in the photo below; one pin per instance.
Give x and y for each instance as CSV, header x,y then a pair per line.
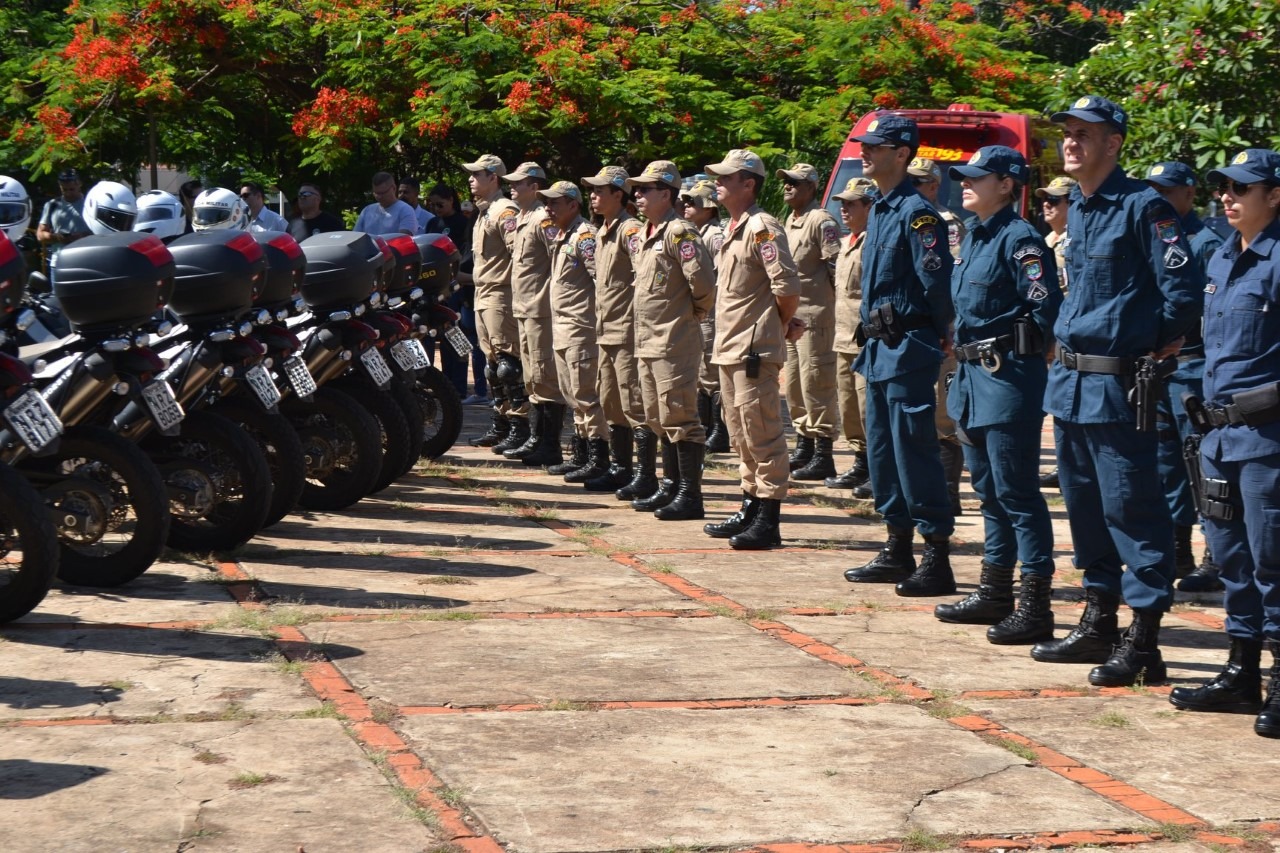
x,y
1054,200
879,146
306,194
919,182
790,183
645,190
1236,188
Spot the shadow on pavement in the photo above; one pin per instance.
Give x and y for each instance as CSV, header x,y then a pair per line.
x,y
21,779
21,693
153,642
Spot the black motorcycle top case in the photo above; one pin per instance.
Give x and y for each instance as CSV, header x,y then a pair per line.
x,y
342,269
219,273
109,283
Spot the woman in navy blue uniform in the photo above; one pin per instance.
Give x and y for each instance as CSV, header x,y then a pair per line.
x,y
1239,421
1007,296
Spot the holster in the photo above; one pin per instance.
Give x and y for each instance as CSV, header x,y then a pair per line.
x,y
1027,337
1148,389
1212,495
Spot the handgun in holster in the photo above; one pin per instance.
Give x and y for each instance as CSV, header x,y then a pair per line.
x,y
1212,495
1148,388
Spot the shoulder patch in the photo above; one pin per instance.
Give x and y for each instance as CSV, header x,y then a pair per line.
x,y
1028,252
923,221
587,246
1167,229
768,251
765,236
688,250
830,233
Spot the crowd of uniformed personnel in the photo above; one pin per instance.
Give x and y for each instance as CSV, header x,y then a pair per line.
x,y
679,334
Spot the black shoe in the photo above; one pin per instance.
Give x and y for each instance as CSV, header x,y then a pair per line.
x,y
667,486
550,428
1235,690
577,457
802,454
718,438
1184,561
619,473
597,464
763,532
1092,640
645,480
1049,480
1137,658
895,561
516,436
820,466
933,576
1268,722
1032,622
953,466
687,503
853,478
990,603
499,429
736,523
530,444
1204,578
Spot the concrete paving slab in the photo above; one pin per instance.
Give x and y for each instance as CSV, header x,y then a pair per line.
x,y
1211,765
50,673
269,785
498,661
460,581
580,781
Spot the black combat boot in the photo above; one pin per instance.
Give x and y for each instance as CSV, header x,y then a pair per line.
x,y
1205,578
1137,658
550,427
516,436
853,478
619,473
1268,722
736,523
718,437
499,428
991,602
1093,639
933,576
704,410
667,486
953,467
820,465
1184,560
1235,690
802,454
687,503
1049,480
577,457
894,562
645,480
1033,620
597,464
763,532
535,430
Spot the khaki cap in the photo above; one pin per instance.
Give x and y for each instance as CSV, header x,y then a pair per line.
x,y
487,163
1057,188
738,160
526,170
701,194
609,176
562,189
799,172
923,167
659,172
857,188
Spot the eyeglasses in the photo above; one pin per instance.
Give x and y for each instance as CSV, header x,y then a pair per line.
x,y
1054,200
879,146
919,182
644,190
246,196
1236,188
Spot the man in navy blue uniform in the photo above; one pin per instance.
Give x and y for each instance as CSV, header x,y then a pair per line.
x,y
1134,293
906,324
1177,183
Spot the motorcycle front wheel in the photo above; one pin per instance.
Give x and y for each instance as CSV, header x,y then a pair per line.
x,y
28,547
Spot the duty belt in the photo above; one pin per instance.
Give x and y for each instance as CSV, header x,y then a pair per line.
x,y
989,353
1110,365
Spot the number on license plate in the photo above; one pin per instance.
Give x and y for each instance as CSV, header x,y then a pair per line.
x,y
163,405
410,355
377,367
458,340
33,420
295,370
263,386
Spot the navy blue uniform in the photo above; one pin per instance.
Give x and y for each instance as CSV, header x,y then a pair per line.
x,y
1242,352
906,263
1007,272
1134,289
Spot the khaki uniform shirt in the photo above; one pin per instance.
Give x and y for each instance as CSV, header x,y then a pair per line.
x,y
615,279
1058,242
531,263
675,288
492,242
814,238
713,236
955,232
849,293
755,267
573,285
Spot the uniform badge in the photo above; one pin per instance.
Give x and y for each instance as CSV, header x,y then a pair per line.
x,y
1174,257
1168,230
932,261
1211,288
587,248
551,231
928,237
769,252
507,219
632,240
953,236
830,233
1037,292
688,250
1032,270
922,221
763,237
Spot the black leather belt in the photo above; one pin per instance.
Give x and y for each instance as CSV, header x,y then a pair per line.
x,y
1110,365
983,350
1231,414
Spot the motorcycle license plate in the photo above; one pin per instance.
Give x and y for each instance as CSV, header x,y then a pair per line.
x,y
263,386
458,340
410,355
377,367
295,370
33,420
162,404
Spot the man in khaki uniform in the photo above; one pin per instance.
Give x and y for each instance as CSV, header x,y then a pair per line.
x,y
492,241
619,383
531,304
926,176
855,208
674,291
702,209
810,373
757,293
573,324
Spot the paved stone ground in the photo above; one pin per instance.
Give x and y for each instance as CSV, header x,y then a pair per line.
x,y
484,658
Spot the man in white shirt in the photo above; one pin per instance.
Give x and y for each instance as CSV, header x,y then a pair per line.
x,y
261,217
387,214
409,192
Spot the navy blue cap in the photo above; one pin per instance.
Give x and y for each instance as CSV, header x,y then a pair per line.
x,y
68,175
891,129
1092,108
1171,173
993,160
1249,167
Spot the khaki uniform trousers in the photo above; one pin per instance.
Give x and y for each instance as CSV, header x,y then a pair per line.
x,y
709,376
577,367
810,378
619,386
497,331
670,391
753,414
852,389
539,360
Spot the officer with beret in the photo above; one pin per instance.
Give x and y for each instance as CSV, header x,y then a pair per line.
x,y
702,209
675,287
906,325
809,377
1240,447
1177,183
1006,293
492,242
1133,298
757,294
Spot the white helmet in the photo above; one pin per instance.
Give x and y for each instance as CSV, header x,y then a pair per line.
x,y
219,208
160,213
15,208
110,207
